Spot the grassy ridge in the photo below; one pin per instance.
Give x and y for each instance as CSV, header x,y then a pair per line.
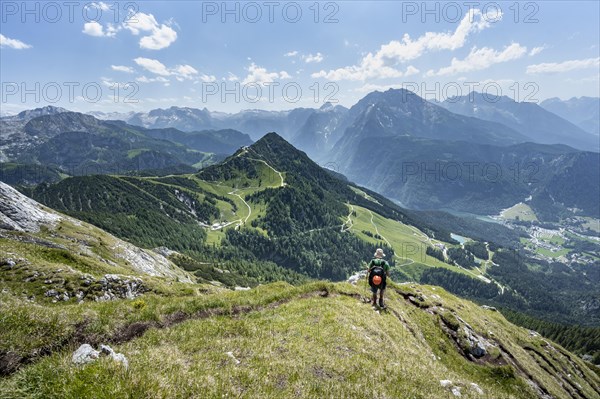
x,y
316,340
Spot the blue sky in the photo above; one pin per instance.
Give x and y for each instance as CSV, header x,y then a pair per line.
x,y
98,56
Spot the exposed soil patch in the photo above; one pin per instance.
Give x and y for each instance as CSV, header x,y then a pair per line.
x,y
9,362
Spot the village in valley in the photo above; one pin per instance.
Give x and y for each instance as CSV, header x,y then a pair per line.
x,y
575,239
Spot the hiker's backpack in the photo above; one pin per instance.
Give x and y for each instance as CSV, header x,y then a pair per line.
x,y
377,270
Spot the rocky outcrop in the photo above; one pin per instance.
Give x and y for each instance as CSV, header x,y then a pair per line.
x,y
20,213
166,252
356,277
117,357
87,354
148,262
116,287
107,288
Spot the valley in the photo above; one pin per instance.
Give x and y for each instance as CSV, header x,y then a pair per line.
x,y
153,313
264,215
195,199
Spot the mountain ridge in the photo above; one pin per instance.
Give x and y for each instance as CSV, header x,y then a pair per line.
x,y
582,111
79,143
528,118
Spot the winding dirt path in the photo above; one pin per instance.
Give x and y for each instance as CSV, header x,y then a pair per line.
x,y
235,192
410,261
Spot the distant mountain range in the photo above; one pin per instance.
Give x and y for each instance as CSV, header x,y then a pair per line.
x,y
253,122
400,113
427,157
531,120
388,141
476,178
583,111
312,130
316,131
81,144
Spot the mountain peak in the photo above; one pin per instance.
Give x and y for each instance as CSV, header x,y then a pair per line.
x,y
272,137
275,148
34,113
533,121
279,155
476,97
328,107
391,97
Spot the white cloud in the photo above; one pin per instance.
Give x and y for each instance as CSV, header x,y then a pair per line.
x,y
378,65
108,82
166,100
13,43
93,29
313,58
185,71
232,77
411,70
99,5
141,22
308,58
122,68
155,36
537,50
208,78
479,59
111,30
144,79
260,75
179,72
555,67
153,66
159,39
161,35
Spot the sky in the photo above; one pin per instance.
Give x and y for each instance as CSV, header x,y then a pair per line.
x,y
227,56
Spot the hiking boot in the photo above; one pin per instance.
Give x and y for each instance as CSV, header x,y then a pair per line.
x,y
381,305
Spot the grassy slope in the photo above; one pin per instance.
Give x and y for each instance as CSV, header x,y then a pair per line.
x,y
70,249
408,242
521,211
316,340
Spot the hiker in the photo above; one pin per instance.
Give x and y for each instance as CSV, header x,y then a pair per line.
x,y
377,275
